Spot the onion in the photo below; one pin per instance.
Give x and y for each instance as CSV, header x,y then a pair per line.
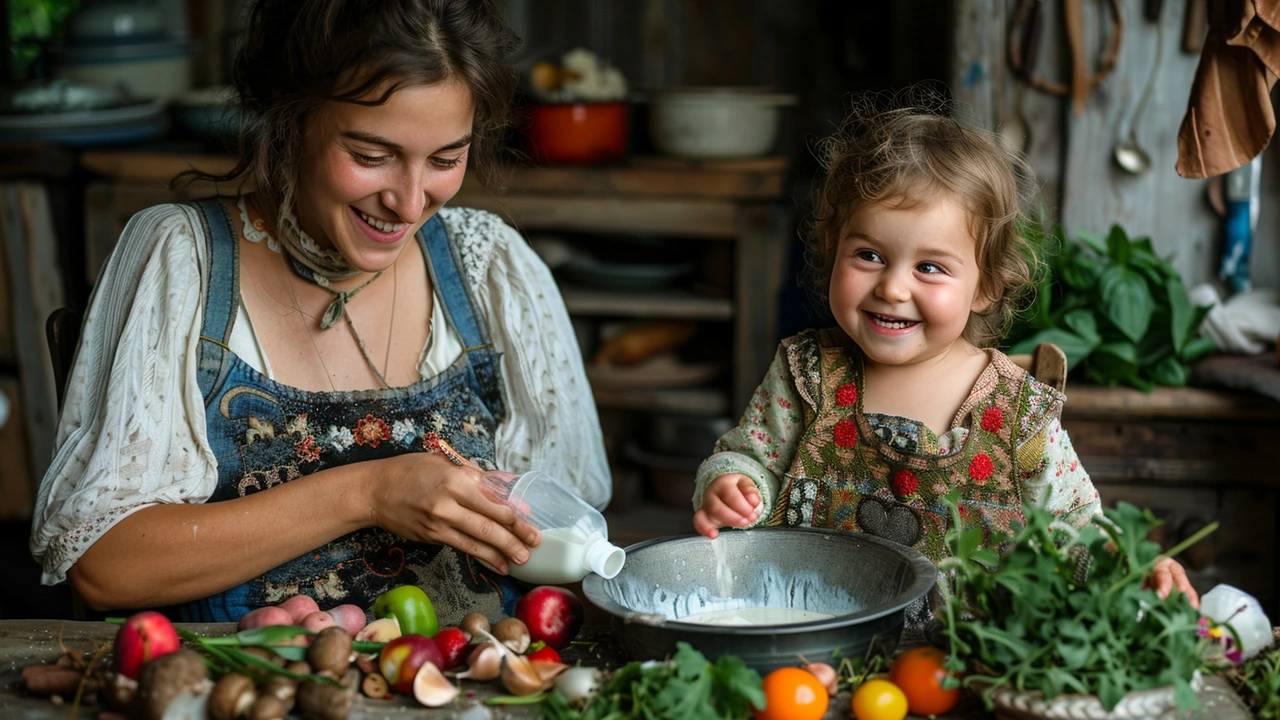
x,y
825,674
579,684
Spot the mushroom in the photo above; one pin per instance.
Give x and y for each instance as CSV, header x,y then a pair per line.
x,y
330,651
473,624
165,678
265,654
375,686
321,701
298,667
268,707
513,633
284,689
231,697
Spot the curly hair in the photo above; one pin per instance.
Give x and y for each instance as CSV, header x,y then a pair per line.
x,y
903,153
300,54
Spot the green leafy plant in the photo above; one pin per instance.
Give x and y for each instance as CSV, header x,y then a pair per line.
x,y
1066,611
1119,312
1257,682
688,687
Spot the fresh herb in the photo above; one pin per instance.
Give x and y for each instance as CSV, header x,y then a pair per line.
x,y
1066,611
1119,312
1257,682
687,687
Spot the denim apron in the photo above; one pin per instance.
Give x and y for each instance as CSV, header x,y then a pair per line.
x,y
264,434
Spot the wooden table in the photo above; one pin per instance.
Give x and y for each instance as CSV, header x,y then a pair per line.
x,y
25,642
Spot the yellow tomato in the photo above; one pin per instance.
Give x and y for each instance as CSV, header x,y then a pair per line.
x,y
879,700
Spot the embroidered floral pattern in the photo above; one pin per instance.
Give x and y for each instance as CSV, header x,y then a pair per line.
x,y
403,431
339,438
307,449
846,432
981,467
846,395
371,431
905,482
992,420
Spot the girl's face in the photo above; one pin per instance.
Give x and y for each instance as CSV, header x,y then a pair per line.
x,y
905,280
370,176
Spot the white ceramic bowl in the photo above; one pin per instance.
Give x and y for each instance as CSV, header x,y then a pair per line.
x,y
715,122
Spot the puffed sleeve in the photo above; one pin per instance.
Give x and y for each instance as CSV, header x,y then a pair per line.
x,y
1060,483
763,444
553,424
132,429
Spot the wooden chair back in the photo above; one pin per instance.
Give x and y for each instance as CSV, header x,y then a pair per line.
x,y
1047,363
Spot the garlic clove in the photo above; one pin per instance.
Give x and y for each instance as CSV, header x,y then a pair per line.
x,y
548,670
520,677
431,688
484,663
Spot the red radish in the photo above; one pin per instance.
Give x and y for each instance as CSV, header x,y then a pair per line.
x,y
263,617
142,638
318,620
452,643
553,615
544,654
349,617
298,607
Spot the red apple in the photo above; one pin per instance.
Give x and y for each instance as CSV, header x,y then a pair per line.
x,y
553,614
142,638
452,643
402,657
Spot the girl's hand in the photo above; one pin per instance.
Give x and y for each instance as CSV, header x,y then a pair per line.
x,y
1168,575
426,498
730,501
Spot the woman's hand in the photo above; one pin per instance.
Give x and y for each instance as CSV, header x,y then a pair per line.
x,y
1168,575
427,498
730,501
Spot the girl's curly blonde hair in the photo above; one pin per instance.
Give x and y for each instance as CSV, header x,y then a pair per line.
x,y
904,156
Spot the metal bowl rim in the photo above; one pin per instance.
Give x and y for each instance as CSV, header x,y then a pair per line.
x,y
926,576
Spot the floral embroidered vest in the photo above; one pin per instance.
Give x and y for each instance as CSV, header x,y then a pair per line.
x,y
851,476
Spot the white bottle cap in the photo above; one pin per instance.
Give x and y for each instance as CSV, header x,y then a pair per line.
x,y
603,557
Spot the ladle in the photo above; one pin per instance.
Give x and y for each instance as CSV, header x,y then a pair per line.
x,y
1129,154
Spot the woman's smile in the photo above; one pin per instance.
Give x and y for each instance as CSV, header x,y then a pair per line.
x,y
380,231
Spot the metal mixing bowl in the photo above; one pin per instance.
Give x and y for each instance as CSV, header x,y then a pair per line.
x,y
865,582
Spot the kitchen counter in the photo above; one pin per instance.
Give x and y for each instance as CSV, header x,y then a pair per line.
x,y
26,642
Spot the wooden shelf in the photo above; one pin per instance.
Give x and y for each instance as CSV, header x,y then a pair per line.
x,y
1186,403
609,214
657,303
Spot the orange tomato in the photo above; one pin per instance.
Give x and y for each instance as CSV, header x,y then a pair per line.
x,y
792,694
878,699
919,672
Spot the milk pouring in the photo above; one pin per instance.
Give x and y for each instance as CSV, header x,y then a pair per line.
x,y
575,537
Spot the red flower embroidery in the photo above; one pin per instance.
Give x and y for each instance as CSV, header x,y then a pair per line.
x,y
904,482
307,448
371,431
846,434
846,395
981,467
992,420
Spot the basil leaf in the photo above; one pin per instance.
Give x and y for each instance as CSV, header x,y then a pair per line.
x,y
1126,301
1180,314
1118,245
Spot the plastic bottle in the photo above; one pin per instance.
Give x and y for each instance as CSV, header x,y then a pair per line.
x,y
575,536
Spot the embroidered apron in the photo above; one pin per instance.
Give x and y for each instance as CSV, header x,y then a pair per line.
x,y
264,433
850,475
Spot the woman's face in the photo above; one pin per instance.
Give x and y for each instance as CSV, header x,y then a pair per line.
x,y
370,176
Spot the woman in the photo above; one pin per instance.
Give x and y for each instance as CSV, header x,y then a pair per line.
x,y
262,378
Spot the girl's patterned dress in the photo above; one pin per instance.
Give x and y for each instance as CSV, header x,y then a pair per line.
x,y
265,434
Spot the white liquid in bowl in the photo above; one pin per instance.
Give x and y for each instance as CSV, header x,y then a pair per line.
x,y
755,616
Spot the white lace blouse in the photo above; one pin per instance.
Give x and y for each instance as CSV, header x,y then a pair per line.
x,y
132,430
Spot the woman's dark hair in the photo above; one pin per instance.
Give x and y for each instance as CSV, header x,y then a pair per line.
x,y
905,150
299,54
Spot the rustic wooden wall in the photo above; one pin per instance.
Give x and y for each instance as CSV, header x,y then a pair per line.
x,y
1073,155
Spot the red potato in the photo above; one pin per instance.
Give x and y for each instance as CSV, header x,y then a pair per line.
x,y
264,617
318,620
349,617
299,607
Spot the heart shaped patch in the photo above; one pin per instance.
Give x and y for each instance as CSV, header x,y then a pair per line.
x,y
891,521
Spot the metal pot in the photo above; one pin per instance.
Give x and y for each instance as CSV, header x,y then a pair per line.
x,y
715,122
865,582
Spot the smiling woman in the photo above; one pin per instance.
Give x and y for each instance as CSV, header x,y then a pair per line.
x,y
265,382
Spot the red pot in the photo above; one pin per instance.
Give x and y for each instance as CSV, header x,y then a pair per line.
x,y
578,133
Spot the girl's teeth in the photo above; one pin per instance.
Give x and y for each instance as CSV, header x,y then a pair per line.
x,y
381,226
890,323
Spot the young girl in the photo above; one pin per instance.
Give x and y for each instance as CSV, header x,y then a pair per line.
x,y
916,244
